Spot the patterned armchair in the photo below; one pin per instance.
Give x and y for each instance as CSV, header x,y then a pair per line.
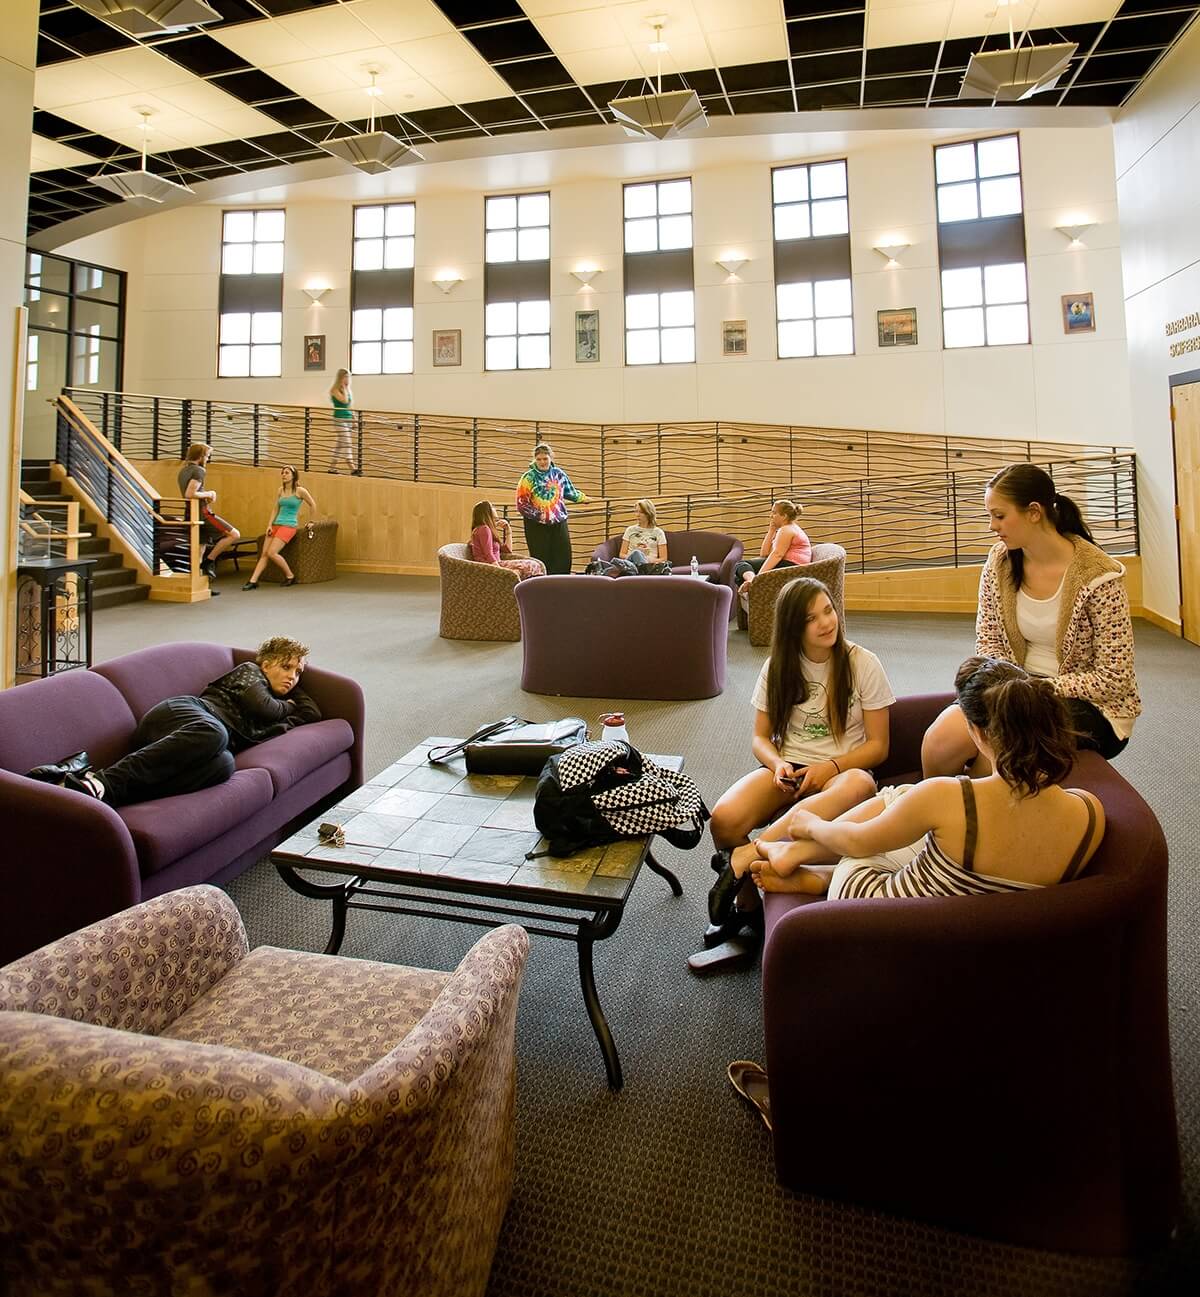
x,y
478,599
181,1115
756,606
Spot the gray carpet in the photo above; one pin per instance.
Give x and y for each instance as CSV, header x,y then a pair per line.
x,y
667,1188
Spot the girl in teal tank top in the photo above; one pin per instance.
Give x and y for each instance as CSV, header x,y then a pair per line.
x,y
285,521
343,422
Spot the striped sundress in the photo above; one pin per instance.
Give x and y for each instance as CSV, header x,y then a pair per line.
x,y
931,872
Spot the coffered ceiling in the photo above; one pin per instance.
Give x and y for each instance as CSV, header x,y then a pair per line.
x,y
272,79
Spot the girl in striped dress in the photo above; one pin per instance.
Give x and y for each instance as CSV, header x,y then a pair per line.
x,y
955,836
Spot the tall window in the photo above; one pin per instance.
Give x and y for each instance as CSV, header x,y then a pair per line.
x,y
517,282
31,363
250,336
76,324
381,289
660,298
814,308
981,243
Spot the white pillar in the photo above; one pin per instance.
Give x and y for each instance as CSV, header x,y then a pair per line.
x,y
18,59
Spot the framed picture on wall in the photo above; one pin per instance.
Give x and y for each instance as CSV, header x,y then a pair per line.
x,y
734,340
897,328
587,337
447,347
1079,313
314,352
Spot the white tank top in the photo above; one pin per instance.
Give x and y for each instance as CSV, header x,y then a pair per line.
x,y
1037,620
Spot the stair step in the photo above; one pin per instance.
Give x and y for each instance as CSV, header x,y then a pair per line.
x,y
104,561
93,546
111,578
119,595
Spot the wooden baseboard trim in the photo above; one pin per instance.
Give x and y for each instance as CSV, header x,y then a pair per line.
x,y
388,569
1157,619
865,604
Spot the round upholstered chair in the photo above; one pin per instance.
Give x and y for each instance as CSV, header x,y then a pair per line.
x,y
756,605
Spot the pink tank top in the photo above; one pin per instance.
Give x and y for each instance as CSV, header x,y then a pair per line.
x,y
800,550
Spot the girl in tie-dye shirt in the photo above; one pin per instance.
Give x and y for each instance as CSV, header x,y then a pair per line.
x,y
543,494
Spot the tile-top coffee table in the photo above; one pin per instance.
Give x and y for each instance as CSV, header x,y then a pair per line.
x,y
435,841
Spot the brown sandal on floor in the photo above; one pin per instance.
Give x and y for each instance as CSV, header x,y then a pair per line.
x,y
750,1081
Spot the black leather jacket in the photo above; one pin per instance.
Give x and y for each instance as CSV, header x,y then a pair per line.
x,y
242,700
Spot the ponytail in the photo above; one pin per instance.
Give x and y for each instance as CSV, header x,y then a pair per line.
x,y
1025,722
1025,485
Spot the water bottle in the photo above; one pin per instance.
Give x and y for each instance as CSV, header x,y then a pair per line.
x,y
614,727
695,566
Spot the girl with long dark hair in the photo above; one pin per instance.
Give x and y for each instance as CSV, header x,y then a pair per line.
x,y
491,542
820,722
1053,602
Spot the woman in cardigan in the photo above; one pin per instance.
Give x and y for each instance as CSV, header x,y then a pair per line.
x,y
1053,602
543,494
491,542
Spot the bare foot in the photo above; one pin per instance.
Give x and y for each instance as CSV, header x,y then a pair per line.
x,y
741,858
786,857
810,882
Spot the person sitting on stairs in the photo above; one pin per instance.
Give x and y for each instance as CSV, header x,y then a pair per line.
x,y
217,534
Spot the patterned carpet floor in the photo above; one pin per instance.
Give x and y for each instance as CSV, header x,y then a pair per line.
x,y
667,1188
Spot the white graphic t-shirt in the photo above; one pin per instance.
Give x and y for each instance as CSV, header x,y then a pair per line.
x,y
809,737
647,539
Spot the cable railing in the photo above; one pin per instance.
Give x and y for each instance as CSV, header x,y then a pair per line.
x,y
893,502
158,535
609,460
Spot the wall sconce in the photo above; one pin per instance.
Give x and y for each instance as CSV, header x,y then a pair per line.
x,y
314,292
1072,232
890,252
585,275
447,281
731,263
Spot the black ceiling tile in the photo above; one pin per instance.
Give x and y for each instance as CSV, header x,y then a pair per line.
x,y
515,128
704,81
283,144
494,112
957,53
462,12
82,32
49,51
234,11
238,152
1104,96
432,120
202,55
189,158
762,101
574,119
215,173
902,58
515,40
819,68
717,106
535,74
946,84
844,95
52,126
471,133
553,103
253,86
1132,33
1117,67
811,8
756,76
896,90
99,146
820,35
1083,34
295,112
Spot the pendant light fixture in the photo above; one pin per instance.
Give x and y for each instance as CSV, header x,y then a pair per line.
x,y
141,186
658,116
376,151
1006,76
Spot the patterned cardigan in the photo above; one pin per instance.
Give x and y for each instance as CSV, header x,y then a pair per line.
x,y
1095,634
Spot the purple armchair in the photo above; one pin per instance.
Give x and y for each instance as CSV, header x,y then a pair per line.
x,y
995,1064
715,552
580,636
72,860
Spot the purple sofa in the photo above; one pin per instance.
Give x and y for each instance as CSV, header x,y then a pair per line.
x,y
586,636
715,552
72,860
995,1064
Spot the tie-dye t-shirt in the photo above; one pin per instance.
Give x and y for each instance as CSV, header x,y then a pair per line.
x,y
543,497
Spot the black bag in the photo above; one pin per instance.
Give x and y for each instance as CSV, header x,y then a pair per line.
x,y
596,793
513,746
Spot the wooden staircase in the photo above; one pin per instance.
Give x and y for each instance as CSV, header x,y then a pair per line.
x,y
112,582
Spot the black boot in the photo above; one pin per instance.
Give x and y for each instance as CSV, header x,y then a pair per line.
x,y
724,891
57,771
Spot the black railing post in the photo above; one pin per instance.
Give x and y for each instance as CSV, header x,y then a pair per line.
x,y
185,426
791,453
716,456
474,452
154,430
208,423
307,434
254,416
416,447
603,458
862,527
359,460
104,414
1137,520
118,420
659,450
687,510
954,514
